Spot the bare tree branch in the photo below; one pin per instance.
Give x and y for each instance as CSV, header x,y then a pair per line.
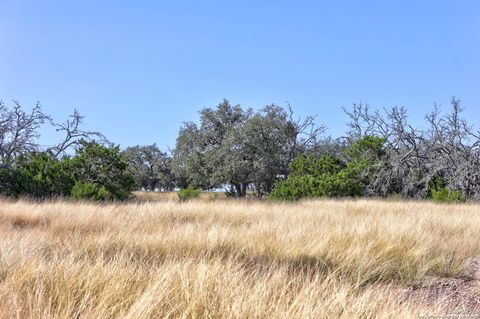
x,y
19,130
73,134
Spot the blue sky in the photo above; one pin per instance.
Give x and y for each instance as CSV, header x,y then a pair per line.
x,y
138,69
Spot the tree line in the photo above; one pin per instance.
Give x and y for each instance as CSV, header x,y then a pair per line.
x,y
265,153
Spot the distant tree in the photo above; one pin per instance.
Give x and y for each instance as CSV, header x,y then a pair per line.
x,y
334,147
241,149
73,134
19,130
103,166
202,155
271,140
150,167
447,147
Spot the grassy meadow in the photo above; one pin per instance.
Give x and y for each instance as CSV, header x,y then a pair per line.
x,y
230,259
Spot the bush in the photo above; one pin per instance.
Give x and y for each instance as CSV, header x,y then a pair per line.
x,y
369,148
38,175
322,177
95,172
42,175
90,191
447,196
102,166
340,185
294,188
188,193
317,167
438,191
9,181
364,158
307,186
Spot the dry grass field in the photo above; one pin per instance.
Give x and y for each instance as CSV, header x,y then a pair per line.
x,y
237,259
172,196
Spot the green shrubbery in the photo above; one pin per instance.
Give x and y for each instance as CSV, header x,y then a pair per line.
x,y
317,167
440,193
188,193
42,175
98,172
9,181
104,167
325,179
447,196
90,191
327,176
330,177
95,172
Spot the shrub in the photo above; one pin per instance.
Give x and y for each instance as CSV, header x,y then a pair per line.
x,y
447,196
369,148
42,175
327,176
317,167
364,158
308,186
340,185
295,187
102,166
9,181
96,172
438,191
188,193
90,191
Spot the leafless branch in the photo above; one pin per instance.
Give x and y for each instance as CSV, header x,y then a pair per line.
x,y
73,134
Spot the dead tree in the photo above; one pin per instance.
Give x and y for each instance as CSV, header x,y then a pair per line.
x,y
304,133
446,148
19,130
73,134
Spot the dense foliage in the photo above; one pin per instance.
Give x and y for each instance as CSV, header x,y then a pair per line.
x,y
42,175
150,168
330,177
9,181
95,172
240,149
261,153
90,191
94,164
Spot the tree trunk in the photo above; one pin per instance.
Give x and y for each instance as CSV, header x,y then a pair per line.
x,y
152,185
240,189
243,190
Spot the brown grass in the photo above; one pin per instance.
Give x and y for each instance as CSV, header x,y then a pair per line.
x,y
173,196
228,259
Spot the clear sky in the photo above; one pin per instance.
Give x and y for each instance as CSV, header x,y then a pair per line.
x,y
138,69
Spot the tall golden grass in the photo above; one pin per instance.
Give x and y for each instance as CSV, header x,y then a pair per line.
x,y
172,196
228,259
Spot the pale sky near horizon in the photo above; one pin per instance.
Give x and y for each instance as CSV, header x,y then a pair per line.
x,y
138,69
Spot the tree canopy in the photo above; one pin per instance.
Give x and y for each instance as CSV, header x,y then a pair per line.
x,y
241,149
268,152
